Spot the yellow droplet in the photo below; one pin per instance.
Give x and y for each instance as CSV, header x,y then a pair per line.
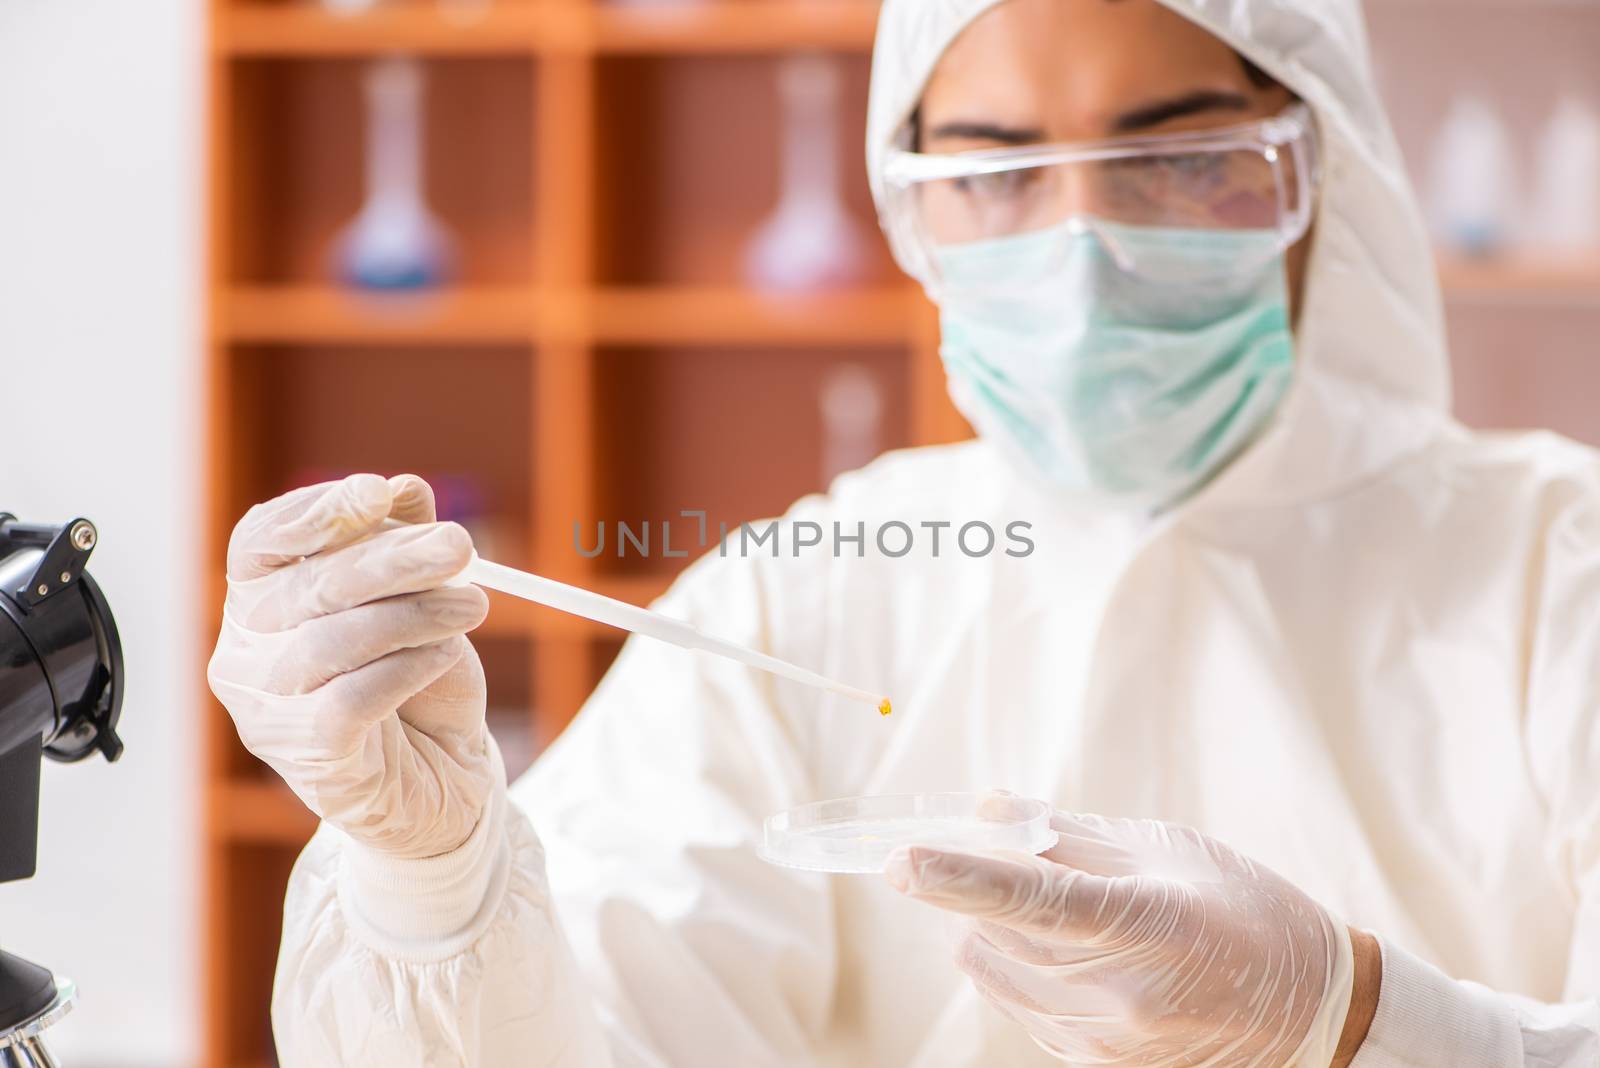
x,y
884,708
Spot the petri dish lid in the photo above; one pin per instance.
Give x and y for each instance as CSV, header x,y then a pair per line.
x,y
855,835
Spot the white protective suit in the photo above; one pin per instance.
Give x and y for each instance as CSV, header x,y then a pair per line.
x,y
1368,655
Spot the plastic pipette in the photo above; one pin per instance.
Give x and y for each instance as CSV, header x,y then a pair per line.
x,y
620,614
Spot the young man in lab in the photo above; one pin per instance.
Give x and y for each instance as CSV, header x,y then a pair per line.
x,y
1323,667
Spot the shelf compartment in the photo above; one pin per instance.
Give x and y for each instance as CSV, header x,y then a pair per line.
x,y
737,432
711,186
1502,381
509,666
259,809
455,414
570,669
458,415
295,133
247,883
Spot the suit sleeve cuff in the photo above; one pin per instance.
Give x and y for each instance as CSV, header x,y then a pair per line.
x,y
427,910
1425,1019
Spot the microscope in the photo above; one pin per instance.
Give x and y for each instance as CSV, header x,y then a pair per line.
x,y
61,688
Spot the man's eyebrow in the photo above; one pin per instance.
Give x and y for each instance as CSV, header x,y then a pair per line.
x,y
1140,118
1203,100
987,131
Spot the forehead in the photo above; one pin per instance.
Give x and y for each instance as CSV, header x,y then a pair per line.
x,y
1075,63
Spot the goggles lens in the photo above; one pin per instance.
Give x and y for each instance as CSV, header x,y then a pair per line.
x,y
1231,183
1206,190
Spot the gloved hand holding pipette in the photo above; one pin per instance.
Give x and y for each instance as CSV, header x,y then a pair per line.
x,y
344,663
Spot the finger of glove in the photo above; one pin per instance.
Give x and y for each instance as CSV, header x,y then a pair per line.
x,y
300,734
1144,848
405,560
1100,1002
1002,978
1003,806
353,702
1033,949
309,520
413,500
1029,894
453,708
320,649
317,518
1095,844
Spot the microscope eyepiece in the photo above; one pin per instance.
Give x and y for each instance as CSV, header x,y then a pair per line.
x,y
61,676
60,696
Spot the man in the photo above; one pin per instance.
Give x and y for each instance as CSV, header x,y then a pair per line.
x,y
1279,601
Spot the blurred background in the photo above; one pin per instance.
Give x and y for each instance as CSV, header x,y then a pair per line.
x,y
561,257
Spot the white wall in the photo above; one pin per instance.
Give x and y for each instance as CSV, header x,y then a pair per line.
x,y
99,353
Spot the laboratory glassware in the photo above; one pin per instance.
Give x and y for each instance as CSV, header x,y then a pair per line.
x,y
810,241
394,242
855,835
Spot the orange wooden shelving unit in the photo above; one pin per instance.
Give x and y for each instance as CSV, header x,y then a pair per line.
x,y
600,212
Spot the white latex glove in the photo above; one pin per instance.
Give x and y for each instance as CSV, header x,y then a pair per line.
x,y
345,666
1137,943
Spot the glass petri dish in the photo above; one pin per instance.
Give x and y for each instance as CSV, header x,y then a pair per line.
x,y
855,835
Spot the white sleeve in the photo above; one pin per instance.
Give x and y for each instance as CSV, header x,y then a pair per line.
x,y
449,962
1425,1019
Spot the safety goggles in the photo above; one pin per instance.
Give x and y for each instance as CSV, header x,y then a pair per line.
x,y
1257,179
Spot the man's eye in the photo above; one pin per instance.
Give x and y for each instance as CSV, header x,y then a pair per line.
x,y
998,186
1185,168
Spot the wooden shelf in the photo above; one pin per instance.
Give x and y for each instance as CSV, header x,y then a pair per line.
x,y
710,26
1524,277
685,27
321,314
691,315
666,316
310,31
656,316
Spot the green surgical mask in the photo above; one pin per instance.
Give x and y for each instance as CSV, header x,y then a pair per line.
x,y
1125,389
